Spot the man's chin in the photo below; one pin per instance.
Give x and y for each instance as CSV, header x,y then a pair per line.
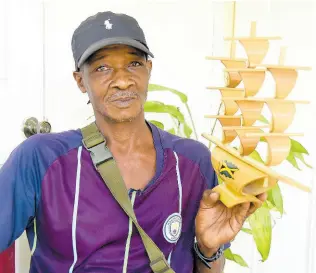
x,y
123,118
115,115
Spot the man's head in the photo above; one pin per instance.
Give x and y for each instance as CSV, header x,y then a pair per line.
x,y
112,66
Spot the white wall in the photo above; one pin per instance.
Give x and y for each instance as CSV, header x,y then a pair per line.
x,y
180,34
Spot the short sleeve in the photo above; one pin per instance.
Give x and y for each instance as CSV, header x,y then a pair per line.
x,y
17,194
207,169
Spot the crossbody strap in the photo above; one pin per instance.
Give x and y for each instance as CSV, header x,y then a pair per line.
x,y
105,164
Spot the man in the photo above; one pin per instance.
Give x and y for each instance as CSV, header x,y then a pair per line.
x,y
50,187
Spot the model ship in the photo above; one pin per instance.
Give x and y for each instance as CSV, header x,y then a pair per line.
x,y
243,177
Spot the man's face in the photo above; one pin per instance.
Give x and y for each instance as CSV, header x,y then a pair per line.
x,y
116,79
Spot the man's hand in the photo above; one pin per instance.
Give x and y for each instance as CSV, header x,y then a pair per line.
x,y
216,224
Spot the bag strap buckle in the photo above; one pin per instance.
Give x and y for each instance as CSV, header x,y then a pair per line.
x,y
160,265
99,154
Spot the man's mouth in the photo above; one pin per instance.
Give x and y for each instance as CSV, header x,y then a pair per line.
x,y
123,99
123,102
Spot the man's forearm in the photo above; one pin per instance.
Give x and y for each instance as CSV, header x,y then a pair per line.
x,y
217,266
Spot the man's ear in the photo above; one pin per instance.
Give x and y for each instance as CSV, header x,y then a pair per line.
x,y
149,66
78,76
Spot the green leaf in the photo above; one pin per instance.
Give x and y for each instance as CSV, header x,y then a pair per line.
x,y
275,198
290,158
159,107
301,157
229,255
172,131
247,230
263,119
260,223
156,87
267,204
187,130
157,123
297,147
256,156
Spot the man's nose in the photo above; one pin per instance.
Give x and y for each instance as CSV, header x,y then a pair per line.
x,y
122,79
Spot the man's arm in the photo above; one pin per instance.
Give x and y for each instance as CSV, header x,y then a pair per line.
x,y
17,195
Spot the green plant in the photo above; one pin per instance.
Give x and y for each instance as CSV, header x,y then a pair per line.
x,y
260,224
180,124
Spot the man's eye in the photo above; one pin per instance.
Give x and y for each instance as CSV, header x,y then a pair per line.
x,y
102,68
135,63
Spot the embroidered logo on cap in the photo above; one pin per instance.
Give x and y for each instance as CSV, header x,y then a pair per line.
x,y
172,228
107,24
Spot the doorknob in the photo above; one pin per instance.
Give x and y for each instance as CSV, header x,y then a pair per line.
x,y
32,126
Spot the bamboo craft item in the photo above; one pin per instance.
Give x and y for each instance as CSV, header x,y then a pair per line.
x,y
243,177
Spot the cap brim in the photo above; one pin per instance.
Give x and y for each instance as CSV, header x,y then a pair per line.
x,y
112,41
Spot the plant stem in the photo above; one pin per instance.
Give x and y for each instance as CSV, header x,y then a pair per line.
x,y
193,125
218,112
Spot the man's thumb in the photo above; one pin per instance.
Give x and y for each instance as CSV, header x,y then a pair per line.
x,y
209,199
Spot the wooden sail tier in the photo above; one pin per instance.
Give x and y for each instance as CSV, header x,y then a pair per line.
x,y
282,111
248,143
279,145
256,47
232,79
233,61
272,134
246,127
225,89
250,109
253,79
227,121
231,106
243,177
285,67
285,78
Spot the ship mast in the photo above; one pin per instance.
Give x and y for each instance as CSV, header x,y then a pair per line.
x,y
243,178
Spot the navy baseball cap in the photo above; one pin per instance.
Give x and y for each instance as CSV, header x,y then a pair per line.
x,y
103,29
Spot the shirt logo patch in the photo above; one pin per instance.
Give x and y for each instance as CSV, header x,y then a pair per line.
x,y
172,228
107,24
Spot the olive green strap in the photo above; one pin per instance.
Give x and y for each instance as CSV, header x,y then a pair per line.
x,y
106,166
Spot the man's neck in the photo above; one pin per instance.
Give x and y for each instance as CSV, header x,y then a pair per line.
x,y
126,136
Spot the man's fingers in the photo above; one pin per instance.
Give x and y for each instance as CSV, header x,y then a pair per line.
x,y
253,208
241,212
209,199
262,197
244,208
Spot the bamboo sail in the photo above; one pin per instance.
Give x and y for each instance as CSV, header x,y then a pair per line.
x,y
243,177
